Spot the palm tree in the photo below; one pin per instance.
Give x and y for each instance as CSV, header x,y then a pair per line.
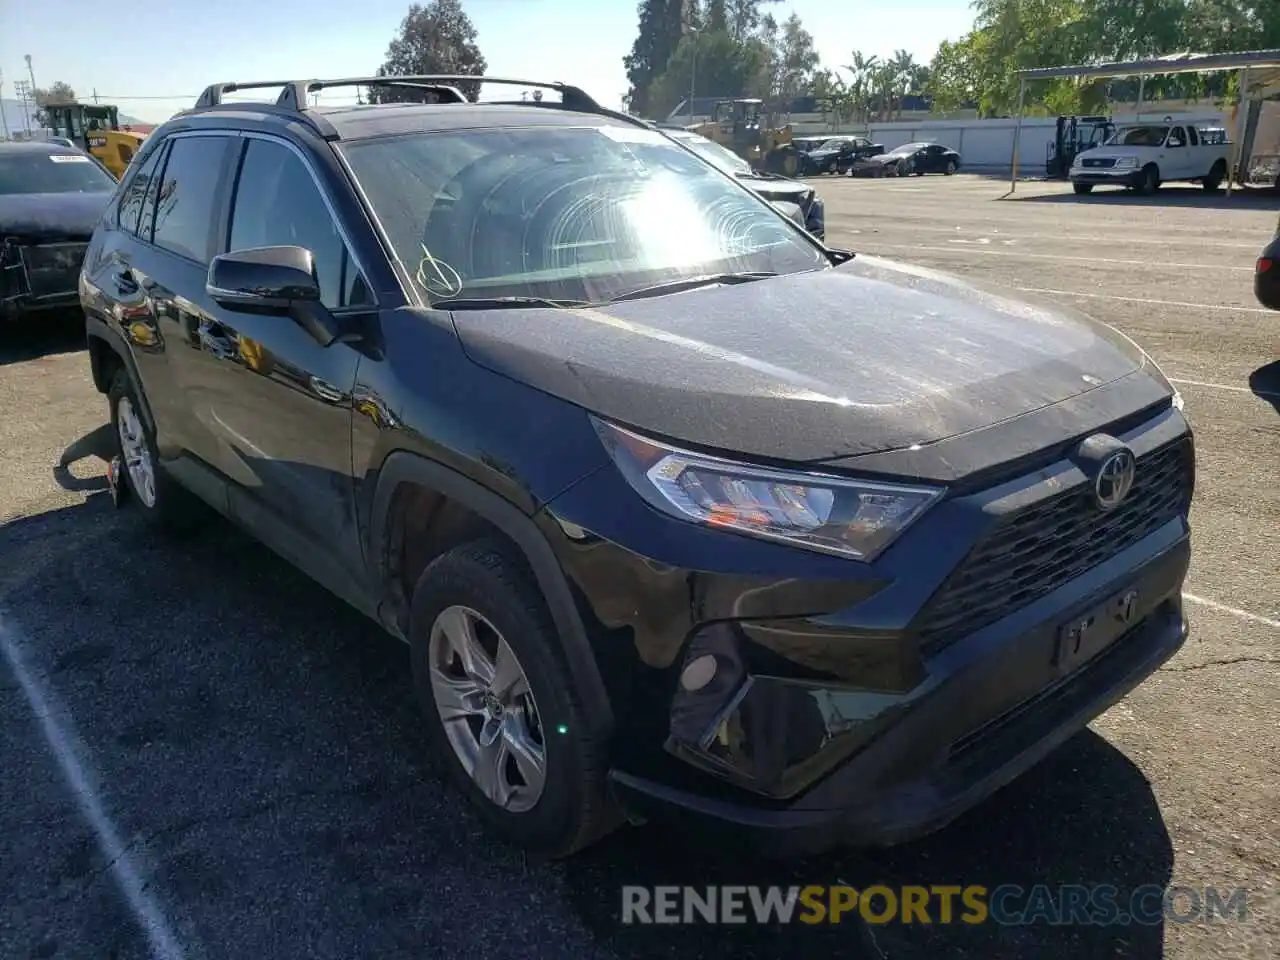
x,y
861,86
904,68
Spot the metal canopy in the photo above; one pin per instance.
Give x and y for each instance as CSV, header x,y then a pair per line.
x,y
1173,63
1259,73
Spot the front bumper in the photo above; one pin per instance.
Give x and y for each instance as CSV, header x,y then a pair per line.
x,y
992,711
1124,177
870,703
36,277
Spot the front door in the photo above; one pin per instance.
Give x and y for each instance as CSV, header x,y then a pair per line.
x,y
1176,162
278,403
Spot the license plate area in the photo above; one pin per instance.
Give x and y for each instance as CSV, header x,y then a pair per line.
x,y
1094,629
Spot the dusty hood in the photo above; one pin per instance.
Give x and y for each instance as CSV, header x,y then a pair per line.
x,y
51,215
867,357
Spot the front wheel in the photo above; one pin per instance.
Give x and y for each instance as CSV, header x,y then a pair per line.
x,y
951,167
1150,181
1213,182
501,707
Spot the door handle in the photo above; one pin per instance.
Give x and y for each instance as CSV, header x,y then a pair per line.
x,y
125,281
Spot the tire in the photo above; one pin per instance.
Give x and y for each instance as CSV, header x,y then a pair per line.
x,y
832,168
951,168
152,493
1213,182
485,584
1082,188
902,169
1150,180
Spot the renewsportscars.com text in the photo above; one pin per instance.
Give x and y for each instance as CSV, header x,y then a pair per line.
x,y
1009,904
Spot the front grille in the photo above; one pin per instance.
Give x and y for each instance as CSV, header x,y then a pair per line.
x,y
1034,551
1097,161
53,269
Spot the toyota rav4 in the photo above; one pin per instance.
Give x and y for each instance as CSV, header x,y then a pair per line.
x,y
682,513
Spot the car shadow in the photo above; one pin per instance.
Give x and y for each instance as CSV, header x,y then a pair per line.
x,y
1265,382
281,749
1190,196
41,336
1086,816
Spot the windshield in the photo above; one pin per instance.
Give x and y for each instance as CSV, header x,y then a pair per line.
x,y
37,172
570,213
1139,136
713,152
833,145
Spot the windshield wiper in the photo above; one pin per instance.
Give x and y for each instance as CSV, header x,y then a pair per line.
x,y
692,283
500,303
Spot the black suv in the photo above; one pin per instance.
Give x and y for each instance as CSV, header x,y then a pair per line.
x,y
682,513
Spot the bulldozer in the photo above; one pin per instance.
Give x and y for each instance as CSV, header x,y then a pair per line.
x,y
95,127
736,124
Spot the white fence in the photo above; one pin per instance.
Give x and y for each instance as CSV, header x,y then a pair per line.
x,y
988,144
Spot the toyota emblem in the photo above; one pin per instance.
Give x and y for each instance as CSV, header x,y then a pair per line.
x,y
1114,479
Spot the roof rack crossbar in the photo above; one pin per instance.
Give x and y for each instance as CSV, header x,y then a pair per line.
x,y
446,86
214,93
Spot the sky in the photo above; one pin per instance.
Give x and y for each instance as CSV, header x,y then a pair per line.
x,y
153,57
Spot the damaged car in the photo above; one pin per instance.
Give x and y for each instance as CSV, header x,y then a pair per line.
x,y
51,197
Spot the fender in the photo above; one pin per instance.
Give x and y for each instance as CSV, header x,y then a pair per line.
x,y
98,329
405,467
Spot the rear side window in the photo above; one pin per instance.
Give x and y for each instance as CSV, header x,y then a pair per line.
x,y
188,190
141,186
278,203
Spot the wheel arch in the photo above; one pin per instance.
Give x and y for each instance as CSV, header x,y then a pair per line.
x,y
452,490
108,354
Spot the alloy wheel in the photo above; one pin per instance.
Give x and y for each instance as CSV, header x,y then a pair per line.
x,y
487,709
137,455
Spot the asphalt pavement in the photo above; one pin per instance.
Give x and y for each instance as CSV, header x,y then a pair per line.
x,y
205,755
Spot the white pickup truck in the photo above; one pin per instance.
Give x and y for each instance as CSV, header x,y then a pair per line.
x,y
1141,156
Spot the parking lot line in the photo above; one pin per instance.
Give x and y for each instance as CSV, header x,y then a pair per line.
x,y
997,236
1227,386
1160,303
1236,611
1162,264
164,944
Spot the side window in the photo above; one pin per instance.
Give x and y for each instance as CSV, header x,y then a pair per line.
x,y
278,203
184,210
1177,137
139,188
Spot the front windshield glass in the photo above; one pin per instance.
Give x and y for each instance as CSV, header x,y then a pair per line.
x,y
833,145
713,152
569,213
906,148
38,172
1139,136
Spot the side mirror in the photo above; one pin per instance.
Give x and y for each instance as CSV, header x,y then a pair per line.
x,y
278,281
1266,276
263,279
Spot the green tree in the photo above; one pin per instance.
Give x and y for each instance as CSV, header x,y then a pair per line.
x,y
436,37
662,25
724,67
793,60
58,92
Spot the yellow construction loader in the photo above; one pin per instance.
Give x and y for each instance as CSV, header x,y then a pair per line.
x,y
95,127
736,124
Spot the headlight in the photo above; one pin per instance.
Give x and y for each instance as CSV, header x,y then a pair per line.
x,y
1127,162
835,515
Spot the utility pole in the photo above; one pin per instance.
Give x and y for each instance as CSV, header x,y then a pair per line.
x,y
23,90
32,74
95,94
4,121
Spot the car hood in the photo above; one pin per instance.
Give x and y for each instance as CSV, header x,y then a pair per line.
x,y
775,187
51,216
866,357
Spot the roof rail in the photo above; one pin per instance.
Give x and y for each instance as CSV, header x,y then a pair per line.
x,y
446,87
